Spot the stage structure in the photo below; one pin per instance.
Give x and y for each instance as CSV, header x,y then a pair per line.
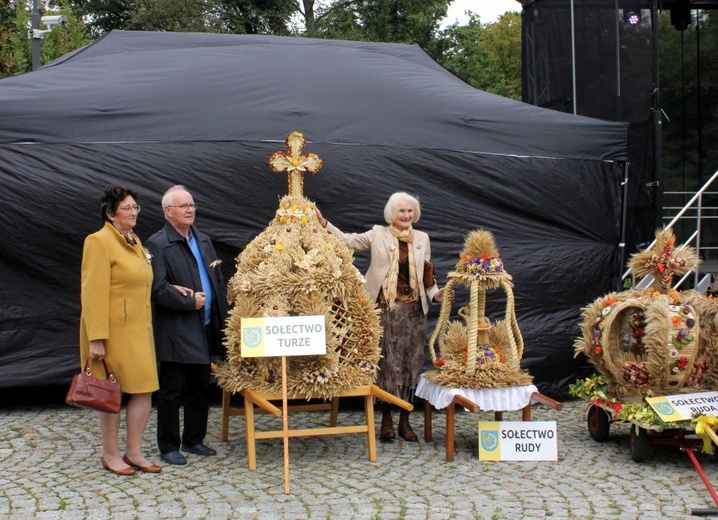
x,y
599,58
582,57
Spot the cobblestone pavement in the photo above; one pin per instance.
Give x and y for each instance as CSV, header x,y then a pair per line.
x,y
50,462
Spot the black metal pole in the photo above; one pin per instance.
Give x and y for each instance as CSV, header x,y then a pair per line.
x,y
699,96
624,219
35,25
657,114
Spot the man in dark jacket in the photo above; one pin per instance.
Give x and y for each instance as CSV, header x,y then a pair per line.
x,y
189,309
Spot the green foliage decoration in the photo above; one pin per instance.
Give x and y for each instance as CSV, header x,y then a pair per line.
x,y
595,390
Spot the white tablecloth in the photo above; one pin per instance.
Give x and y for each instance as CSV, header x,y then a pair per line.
x,y
488,399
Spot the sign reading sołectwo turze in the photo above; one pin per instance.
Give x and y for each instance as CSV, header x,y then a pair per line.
x,y
284,336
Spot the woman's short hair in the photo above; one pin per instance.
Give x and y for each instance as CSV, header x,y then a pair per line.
x,y
393,202
111,198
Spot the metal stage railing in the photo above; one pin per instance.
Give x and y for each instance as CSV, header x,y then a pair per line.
x,y
698,219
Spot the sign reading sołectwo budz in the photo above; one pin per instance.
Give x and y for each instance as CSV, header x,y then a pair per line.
x,y
284,336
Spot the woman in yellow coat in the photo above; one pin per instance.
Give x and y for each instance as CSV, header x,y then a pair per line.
x,y
116,324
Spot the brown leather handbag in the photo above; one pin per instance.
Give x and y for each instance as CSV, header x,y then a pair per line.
x,y
429,280
87,391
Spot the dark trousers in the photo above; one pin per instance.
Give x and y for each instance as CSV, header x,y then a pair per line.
x,y
188,384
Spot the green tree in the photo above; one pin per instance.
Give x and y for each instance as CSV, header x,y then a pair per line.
x,y
257,16
408,21
105,15
502,40
486,56
64,38
15,46
334,23
397,21
402,21
172,16
222,16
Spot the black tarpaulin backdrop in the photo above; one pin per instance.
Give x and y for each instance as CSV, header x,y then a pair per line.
x,y
151,110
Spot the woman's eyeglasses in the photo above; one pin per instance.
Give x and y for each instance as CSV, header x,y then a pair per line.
x,y
135,207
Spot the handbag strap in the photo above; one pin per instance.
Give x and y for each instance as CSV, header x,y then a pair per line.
x,y
108,371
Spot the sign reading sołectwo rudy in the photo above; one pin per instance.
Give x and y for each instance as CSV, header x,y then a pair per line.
x,y
284,336
527,440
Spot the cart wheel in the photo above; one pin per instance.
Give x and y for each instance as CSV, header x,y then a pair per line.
x,y
599,423
640,444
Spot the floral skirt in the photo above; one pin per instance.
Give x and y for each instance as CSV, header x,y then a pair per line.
x,y
402,348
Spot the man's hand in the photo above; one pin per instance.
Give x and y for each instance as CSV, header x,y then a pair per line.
x,y
199,299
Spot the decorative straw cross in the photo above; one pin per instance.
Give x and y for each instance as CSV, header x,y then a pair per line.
x,y
664,260
294,163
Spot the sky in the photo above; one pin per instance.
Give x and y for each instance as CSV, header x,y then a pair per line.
x,y
488,10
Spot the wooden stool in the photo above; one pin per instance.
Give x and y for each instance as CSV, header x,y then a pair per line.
x,y
228,411
262,402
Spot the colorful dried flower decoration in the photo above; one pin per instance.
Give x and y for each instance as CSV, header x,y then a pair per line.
x,y
475,265
636,375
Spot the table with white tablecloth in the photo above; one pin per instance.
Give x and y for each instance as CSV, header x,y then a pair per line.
x,y
476,400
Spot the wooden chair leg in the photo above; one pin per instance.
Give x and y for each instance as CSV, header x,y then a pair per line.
x,y
226,398
450,424
334,412
251,440
428,411
371,428
526,413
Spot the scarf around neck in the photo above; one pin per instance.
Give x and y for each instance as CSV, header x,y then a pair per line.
x,y
389,285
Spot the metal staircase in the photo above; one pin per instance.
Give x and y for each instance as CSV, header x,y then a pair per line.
x,y
695,224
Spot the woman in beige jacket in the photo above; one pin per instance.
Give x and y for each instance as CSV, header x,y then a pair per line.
x,y
395,281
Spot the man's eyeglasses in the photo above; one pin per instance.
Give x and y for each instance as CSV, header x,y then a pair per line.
x,y
183,207
135,207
